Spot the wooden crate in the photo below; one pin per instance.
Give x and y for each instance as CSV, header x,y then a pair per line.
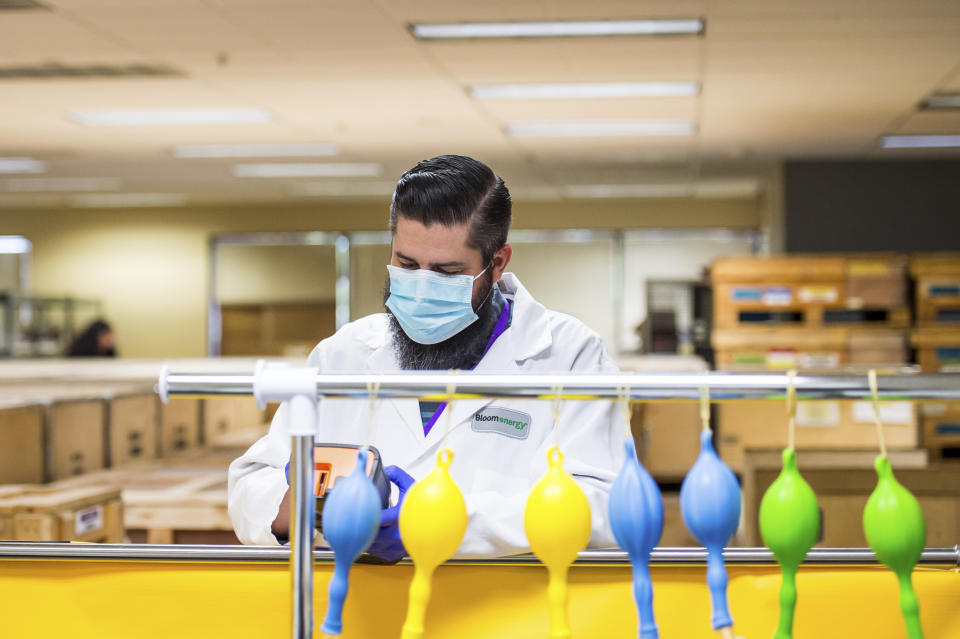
x,y
131,428
821,425
844,480
224,415
179,426
938,348
937,288
56,513
812,292
826,349
21,434
941,428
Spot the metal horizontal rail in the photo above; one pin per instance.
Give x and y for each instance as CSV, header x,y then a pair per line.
x,y
648,387
660,556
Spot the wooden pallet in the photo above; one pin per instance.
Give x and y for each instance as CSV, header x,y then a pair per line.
x,y
941,429
938,348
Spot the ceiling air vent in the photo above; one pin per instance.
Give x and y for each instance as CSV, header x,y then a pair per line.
x,y
58,71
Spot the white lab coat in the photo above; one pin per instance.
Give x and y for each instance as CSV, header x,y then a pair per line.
x,y
495,472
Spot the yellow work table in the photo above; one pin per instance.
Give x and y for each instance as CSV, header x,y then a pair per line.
x,y
80,591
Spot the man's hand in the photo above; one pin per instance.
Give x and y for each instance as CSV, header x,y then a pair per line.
x,y
387,544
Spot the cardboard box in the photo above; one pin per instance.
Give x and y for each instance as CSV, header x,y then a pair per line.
x,y
843,481
876,281
808,349
667,436
821,425
179,425
59,514
675,533
132,428
75,437
938,348
225,415
941,428
21,442
937,288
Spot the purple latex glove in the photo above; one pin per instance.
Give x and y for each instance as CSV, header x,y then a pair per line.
x,y
387,544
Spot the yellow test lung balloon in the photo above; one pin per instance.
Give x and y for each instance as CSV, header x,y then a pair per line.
x,y
433,519
557,521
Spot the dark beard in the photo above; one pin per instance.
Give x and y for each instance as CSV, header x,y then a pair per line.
x,y
462,351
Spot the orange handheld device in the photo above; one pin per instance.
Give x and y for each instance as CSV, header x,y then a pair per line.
x,y
332,461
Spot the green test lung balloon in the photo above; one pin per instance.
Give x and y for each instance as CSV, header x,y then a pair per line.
x,y
789,523
895,529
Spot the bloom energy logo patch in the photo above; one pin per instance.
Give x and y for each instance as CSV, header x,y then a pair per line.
x,y
503,421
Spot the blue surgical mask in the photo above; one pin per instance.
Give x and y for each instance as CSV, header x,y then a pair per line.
x,y
431,307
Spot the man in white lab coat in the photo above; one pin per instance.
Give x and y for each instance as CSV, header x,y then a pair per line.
x,y
451,305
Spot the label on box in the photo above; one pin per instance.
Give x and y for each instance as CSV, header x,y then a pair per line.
x,y
867,267
943,290
89,520
818,294
778,296
890,412
818,413
780,360
746,294
819,360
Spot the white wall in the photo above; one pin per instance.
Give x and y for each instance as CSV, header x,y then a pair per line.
x,y
668,255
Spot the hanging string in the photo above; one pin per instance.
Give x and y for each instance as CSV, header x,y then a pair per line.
x,y
791,410
451,394
373,389
705,406
623,392
557,395
872,376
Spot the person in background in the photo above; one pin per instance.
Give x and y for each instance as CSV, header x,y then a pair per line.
x,y
97,340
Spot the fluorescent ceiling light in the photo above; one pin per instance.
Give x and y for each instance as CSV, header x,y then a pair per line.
x,y
557,29
254,150
343,189
919,141
14,245
153,117
725,188
307,169
124,200
41,185
942,102
22,165
578,90
599,128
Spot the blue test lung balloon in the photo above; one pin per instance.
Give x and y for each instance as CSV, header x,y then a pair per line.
x,y
636,517
351,517
710,504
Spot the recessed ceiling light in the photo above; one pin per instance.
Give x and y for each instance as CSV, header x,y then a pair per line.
x,y
22,165
14,245
577,90
48,184
692,26
254,150
155,117
307,169
599,128
943,101
124,200
919,141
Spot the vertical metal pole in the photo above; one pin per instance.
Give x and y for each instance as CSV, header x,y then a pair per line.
x,y
302,506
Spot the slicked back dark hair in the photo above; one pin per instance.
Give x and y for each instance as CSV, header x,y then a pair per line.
x,y
452,190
